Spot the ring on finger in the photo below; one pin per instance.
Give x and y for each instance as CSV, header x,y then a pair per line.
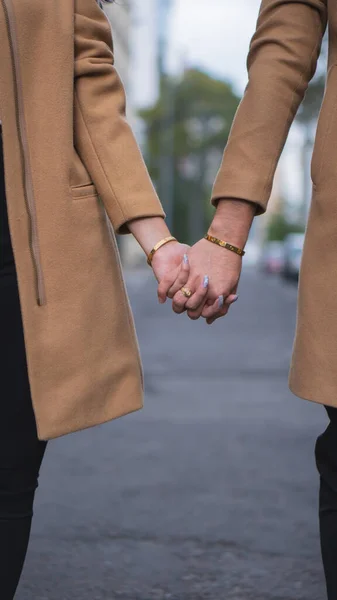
x,y
186,292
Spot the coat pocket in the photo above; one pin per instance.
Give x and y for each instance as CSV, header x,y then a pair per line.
x,y
323,162
84,191
81,184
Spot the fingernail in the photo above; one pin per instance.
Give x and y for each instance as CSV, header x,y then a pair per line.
x,y
206,281
185,259
235,298
221,301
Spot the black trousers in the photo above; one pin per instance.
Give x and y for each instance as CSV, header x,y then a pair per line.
x,y
21,452
326,460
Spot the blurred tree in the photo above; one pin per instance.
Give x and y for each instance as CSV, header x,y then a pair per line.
x,y
199,126
279,227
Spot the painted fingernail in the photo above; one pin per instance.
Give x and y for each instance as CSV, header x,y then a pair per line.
x,y
235,298
221,301
185,259
206,281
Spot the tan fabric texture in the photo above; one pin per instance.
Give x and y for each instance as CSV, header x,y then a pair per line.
x,y
282,60
88,181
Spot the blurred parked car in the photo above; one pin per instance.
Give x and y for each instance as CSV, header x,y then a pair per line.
x,y
272,257
293,248
252,254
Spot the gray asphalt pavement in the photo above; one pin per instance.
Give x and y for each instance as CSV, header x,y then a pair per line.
x,y
209,492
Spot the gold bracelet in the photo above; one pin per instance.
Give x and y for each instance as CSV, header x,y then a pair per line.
x,y
159,245
226,245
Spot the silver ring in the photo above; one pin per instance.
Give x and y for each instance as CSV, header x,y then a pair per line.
x,y
221,301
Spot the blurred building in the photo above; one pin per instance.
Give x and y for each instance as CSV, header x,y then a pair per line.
x,y
144,81
139,31
121,18
119,14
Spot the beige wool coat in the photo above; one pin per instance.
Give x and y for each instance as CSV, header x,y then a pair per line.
x,y
282,60
74,177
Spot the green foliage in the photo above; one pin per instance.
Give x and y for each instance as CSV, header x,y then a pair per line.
x,y
196,113
279,227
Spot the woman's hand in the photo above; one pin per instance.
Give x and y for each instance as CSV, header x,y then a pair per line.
x,y
170,266
167,262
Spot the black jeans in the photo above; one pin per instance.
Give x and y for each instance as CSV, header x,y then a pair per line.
x,y
326,460
21,452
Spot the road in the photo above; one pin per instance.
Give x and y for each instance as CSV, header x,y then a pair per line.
x,y
209,492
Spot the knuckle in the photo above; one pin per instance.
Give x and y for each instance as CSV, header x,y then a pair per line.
x,y
179,304
192,306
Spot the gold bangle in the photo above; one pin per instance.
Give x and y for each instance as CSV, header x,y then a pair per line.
x,y
159,245
226,245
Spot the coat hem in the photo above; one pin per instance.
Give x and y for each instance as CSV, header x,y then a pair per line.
x,y
300,393
49,433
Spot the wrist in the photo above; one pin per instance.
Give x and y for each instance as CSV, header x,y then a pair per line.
x,y
166,249
170,240
149,231
232,221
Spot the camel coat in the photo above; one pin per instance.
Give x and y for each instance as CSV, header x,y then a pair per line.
x,y
282,60
74,176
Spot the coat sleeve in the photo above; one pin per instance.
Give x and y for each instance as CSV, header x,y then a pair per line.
x,y
103,136
282,60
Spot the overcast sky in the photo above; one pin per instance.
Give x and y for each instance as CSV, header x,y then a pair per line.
x,y
215,35
211,34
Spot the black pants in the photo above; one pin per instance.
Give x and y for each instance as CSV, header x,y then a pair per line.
x,y
21,452
326,460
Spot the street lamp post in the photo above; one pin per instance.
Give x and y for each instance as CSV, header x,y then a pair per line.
x,y
167,95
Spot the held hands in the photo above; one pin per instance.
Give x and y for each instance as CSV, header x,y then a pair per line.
x,y
209,275
203,280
